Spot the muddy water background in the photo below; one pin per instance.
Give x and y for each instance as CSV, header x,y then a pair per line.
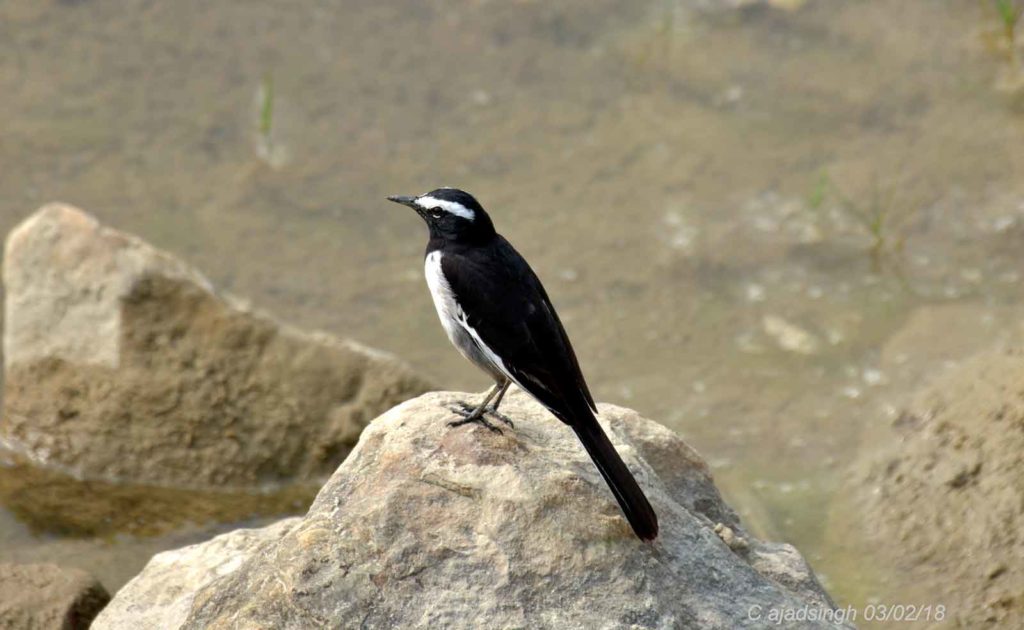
x,y
686,182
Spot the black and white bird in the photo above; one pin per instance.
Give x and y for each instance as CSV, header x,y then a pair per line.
x,y
497,314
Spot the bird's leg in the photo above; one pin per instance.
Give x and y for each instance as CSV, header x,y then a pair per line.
x,y
501,394
465,409
469,414
493,409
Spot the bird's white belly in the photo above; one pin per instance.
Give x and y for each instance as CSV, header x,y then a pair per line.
x,y
453,319
448,310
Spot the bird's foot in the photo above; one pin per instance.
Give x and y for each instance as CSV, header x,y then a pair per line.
x,y
465,410
494,413
477,418
472,414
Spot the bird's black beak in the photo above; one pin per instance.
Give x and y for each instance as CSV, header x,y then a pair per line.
x,y
405,201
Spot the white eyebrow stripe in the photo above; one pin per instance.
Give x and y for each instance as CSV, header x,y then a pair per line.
x,y
454,207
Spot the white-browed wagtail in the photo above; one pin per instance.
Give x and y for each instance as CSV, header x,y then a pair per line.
x,y
496,312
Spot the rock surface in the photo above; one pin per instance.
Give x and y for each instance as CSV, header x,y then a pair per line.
x,y
164,597
48,597
946,502
122,363
428,526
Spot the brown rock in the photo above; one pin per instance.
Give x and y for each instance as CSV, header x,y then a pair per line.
x,y
123,363
48,597
432,527
945,502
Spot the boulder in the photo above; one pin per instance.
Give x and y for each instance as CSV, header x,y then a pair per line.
x,y
47,597
163,598
944,505
122,363
430,526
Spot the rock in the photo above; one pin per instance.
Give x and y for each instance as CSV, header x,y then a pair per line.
x,y
428,526
45,597
945,504
172,578
122,363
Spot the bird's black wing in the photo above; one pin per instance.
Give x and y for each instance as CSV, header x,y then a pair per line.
x,y
506,308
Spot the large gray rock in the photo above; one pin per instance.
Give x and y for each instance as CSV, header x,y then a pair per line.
x,y
164,597
944,505
428,526
48,597
121,362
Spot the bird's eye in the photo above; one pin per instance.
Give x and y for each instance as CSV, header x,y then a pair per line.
x,y
436,214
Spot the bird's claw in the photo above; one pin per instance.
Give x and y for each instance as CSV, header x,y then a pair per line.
x,y
465,410
470,414
473,419
494,413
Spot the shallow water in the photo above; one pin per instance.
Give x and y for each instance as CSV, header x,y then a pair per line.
x,y
697,189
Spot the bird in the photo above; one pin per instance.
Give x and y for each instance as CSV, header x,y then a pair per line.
x,y
496,312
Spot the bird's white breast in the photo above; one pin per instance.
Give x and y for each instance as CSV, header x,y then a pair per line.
x,y
453,318
448,309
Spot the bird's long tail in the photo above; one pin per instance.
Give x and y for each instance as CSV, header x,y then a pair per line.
x,y
627,492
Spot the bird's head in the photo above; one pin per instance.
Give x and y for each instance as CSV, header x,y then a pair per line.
x,y
451,214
